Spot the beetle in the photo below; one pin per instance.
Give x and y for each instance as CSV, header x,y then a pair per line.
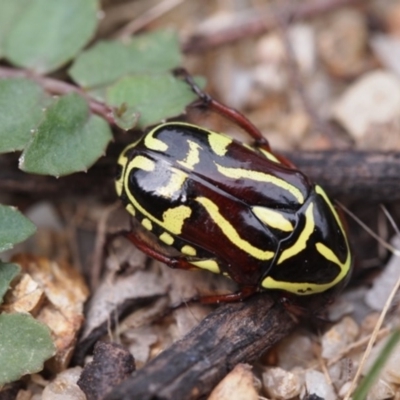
x,y
232,208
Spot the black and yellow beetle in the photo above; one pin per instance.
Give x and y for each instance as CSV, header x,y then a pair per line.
x,y
231,208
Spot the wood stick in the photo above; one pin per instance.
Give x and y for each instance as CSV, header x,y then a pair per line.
x,y
351,175
190,368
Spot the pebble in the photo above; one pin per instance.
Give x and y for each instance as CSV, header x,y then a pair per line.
x,y
338,337
64,386
316,384
372,102
281,384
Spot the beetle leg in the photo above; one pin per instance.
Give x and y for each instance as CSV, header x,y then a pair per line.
x,y
172,262
227,112
243,293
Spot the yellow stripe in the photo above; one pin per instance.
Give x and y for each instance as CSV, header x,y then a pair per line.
x,y
189,250
173,218
175,183
192,157
273,219
269,155
209,265
219,143
153,143
328,253
119,185
239,173
301,288
167,238
230,232
305,288
301,242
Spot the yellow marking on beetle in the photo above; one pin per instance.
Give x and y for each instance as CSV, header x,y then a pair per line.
x,y
130,209
229,231
301,242
147,224
240,173
299,288
325,251
119,185
331,256
143,163
209,265
272,218
269,155
304,288
193,155
188,250
322,193
123,161
219,143
176,182
166,238
173,218
153,143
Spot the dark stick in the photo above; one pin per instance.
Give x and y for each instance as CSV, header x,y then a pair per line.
x,y
352,175
190,368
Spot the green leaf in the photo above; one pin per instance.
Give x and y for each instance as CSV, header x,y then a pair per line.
x,y
153,97
10,11
8,272
14,227
106,62
21,109
24,346
49,33
68,140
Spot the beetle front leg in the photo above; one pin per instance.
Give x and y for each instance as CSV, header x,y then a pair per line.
x,y
172,262
230,113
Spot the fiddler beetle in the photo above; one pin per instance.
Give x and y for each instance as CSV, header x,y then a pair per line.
x,y
233,209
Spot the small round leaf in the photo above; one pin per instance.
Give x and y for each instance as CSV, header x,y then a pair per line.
x,y
69,139
21,109
106,62
152,97
49,33
14,227
24,346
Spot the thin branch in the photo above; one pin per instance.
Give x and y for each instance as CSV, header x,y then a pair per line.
x,y
146,18
57,87
262,23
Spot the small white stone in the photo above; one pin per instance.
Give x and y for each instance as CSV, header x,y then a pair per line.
x,y
316,384
295,351
338,337
64,386
281,384
374,100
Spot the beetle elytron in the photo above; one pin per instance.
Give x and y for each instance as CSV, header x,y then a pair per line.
x,y
231,208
